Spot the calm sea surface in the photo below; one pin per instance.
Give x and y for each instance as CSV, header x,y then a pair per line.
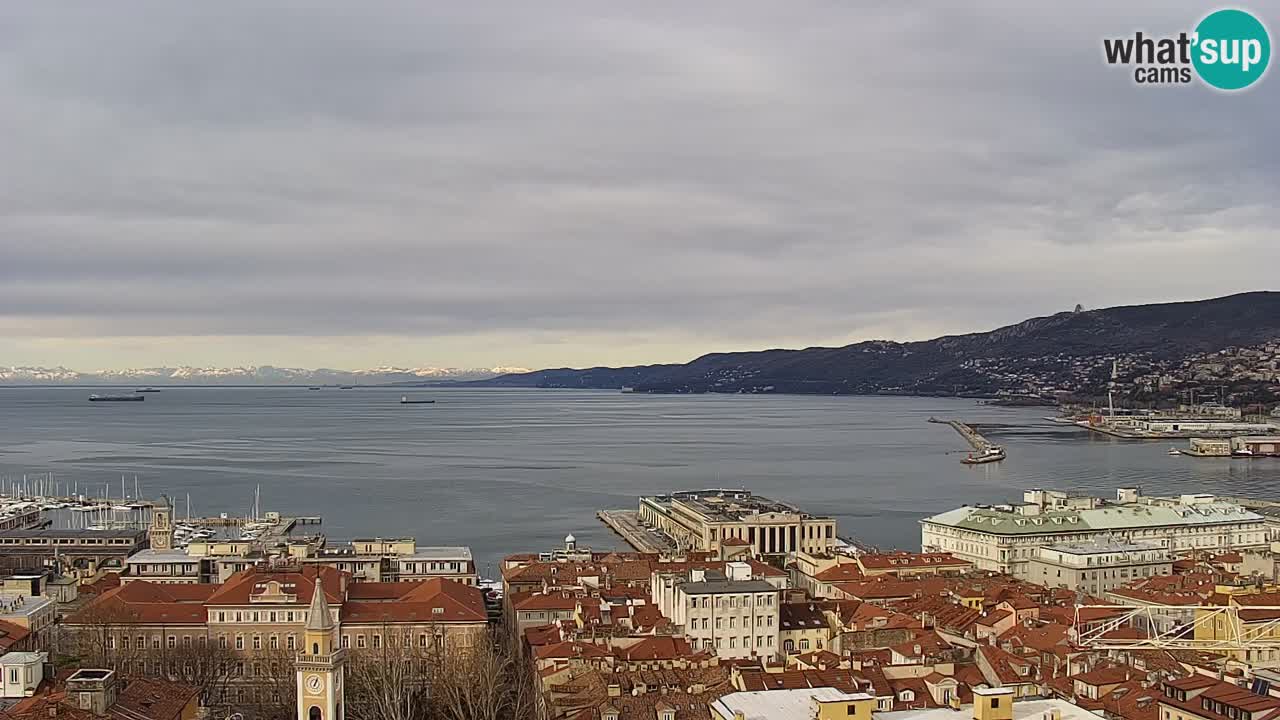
x,y
515,470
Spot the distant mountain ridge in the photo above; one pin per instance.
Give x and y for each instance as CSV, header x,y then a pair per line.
x,y
248,375
1056,352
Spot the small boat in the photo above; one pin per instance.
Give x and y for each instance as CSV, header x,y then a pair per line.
x,y
345,387
1174,451
117,398
314,387
628,389
147,390
992,453
404,400
1242,452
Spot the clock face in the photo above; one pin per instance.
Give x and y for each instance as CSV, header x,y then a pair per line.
x,y
315,683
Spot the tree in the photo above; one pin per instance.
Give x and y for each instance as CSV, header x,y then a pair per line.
x,y
391,681
101,637
490,681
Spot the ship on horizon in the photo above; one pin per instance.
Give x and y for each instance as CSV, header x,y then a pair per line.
x,y
117,398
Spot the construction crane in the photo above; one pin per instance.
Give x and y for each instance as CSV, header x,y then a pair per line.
x,y
1173,627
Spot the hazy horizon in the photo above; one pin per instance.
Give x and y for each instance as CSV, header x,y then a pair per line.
x,y
570,184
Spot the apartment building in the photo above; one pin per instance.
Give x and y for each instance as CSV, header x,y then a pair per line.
x,y
1098,566
730,613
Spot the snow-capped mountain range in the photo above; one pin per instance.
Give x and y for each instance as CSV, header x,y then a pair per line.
x,y
248,375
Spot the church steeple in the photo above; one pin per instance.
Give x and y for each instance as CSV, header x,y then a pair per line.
x,y
320,665
318,617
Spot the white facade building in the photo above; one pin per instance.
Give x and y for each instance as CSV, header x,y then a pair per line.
x,y
730,614
1006,538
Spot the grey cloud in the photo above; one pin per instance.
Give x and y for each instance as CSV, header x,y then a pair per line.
x,y
723,173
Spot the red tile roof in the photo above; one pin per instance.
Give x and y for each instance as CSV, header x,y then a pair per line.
x,y
240,588
11,634
570,649
658,647
838,573
909,560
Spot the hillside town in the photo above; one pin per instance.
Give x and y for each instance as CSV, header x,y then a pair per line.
x,y
1052,606
1247,377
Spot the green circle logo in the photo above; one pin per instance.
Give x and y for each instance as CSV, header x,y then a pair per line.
x,y
1232,49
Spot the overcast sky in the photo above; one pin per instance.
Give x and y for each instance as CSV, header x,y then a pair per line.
x,y
564,183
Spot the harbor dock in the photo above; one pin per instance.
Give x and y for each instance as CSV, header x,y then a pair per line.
x,y
626,523
970,435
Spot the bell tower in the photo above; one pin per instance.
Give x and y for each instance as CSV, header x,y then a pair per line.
x,y
161,531
320,664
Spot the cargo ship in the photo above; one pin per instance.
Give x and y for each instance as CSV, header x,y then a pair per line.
x,y
117,398
406,400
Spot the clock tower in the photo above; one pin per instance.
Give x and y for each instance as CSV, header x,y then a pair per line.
x,y
320,664
161,532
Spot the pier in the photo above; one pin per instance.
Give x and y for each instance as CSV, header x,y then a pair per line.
x,y
627,524
970,435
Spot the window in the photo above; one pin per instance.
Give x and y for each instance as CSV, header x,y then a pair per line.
x,y
273,642
239,642
172,642
995,703
289,642
377,641
359,641
111,645
257,642
346,642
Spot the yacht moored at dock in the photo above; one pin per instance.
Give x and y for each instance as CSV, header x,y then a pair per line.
x,y
989,454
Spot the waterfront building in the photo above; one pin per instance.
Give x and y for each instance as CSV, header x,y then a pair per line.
x,y
705,519
732,613
398,559
1096,566
82,553
20,516
1006,538
163,566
